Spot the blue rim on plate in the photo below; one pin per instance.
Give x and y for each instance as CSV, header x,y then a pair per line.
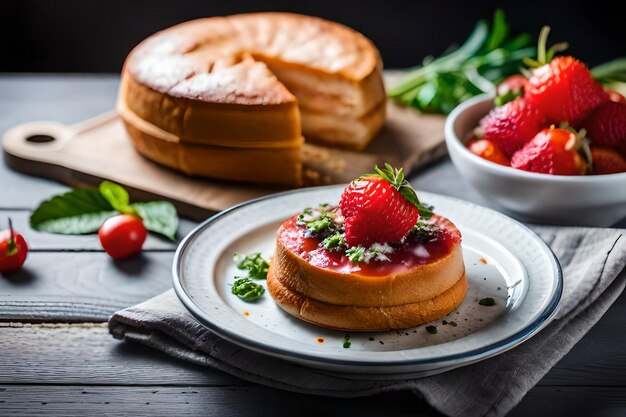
x,y
469,356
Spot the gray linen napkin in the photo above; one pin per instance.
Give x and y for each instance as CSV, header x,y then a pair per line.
x,y
593,262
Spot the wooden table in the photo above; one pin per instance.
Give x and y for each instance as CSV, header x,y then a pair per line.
x,y
57,357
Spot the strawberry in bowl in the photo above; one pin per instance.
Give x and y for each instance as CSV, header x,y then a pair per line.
x,y
551,145
558,92
378,260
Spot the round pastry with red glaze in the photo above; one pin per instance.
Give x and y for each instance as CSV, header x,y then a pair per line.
x,y
327,271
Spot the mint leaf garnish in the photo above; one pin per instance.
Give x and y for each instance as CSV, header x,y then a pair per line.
x,y
117,196
76,212
158,217
83,211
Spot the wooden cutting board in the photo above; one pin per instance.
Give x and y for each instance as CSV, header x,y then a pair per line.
x,y
96,149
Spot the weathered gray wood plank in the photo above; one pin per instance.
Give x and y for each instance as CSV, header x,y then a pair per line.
x,y
50,242
195,401
87,354
81,286
599,358
48,400
551,401
58,353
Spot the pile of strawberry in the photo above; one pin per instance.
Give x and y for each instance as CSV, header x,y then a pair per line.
x,y
561,122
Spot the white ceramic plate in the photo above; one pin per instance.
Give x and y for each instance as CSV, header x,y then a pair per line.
x,y
504,260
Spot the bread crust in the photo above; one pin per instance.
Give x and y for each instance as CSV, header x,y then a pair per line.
x,y
281,166
360,318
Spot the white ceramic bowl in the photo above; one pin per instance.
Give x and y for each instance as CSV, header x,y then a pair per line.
x,y
592,200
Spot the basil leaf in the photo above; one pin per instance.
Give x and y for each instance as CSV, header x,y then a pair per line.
x,y
76,212
159,217
117,196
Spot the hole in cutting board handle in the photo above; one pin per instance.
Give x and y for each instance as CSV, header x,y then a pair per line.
x,y
40,139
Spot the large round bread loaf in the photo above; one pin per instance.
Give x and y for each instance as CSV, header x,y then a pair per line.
x,y
254,81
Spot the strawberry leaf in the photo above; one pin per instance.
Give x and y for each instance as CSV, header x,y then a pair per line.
x,y
386,175
396,178
425,211
410,195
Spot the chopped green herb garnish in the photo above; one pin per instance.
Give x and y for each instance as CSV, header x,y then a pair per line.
x,y
336,242
346,342
488,302
246,289
355,254
318,221
377,252
307,212
316,226
256,266
431,329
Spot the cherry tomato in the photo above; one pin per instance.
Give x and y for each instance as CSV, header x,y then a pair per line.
x,y
488,150
13,250
122,236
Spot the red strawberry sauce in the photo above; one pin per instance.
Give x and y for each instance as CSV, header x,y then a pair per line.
x,y
404,256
